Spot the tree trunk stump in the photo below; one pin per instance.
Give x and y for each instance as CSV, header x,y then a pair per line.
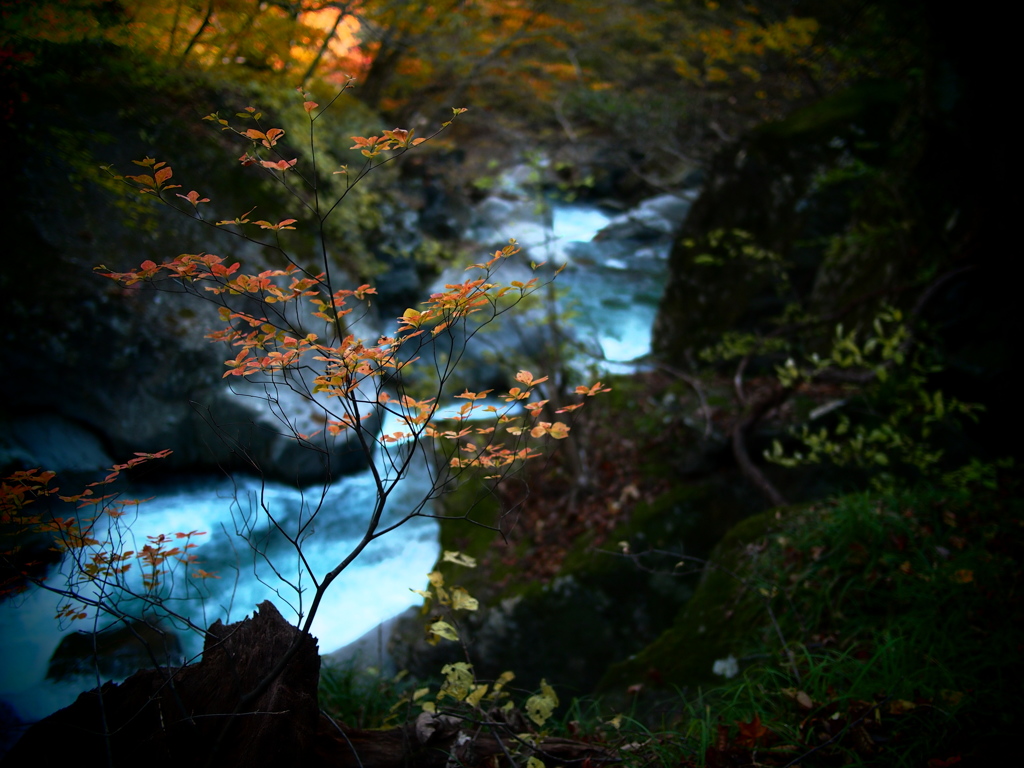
x,y
192,716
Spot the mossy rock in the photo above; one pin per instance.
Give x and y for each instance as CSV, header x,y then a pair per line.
x,y
600,608
839,194
146,377
716,623
567,631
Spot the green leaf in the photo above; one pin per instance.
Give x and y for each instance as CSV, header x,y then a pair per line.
x,y
706,258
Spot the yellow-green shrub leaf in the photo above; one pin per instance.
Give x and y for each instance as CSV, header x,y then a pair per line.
x,y
459,559
444,629
463,601
540,706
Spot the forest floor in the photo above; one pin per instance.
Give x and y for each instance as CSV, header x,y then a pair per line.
x,y
889,627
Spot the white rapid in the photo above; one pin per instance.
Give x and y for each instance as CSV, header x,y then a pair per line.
x,y
375,587
613,283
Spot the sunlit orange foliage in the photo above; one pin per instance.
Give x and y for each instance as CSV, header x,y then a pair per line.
x,y
268,316
717,54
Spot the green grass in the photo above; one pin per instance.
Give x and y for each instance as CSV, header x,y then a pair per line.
x,y
875,630
895,640
361,697
870,630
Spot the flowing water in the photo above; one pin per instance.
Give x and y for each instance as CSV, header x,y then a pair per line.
x,y
613,287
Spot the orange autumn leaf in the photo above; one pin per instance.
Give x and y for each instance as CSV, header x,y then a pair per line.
x,y
280,165
527,378
193,197
285,224
751,733
594,390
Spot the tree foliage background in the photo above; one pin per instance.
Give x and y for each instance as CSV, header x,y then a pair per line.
x,y
861,146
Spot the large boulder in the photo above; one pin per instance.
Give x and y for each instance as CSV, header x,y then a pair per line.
x,y
654,218
602,605
115,652
131,370
757,237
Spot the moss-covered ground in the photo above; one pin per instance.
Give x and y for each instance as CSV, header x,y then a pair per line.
x,y
865,629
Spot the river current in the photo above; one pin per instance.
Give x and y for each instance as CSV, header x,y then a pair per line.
x,y
612,285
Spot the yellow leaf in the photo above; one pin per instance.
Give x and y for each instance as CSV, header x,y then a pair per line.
x,y
951,697
901,706
458,680
478,693
503,679
411,317
462,601
459,559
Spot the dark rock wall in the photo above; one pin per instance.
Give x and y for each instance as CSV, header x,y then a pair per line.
x,y
131,368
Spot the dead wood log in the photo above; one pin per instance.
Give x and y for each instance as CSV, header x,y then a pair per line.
x,y
437,741
173,717
191,716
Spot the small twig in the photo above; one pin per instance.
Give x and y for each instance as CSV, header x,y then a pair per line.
x,y
737,380
535,748
501,744
782,639
564,121
344,735
694,384
750,470
99,692
714,126
238,714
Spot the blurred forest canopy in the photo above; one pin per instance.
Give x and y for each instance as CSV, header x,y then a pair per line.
x,y
684,74
650,89
644,89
